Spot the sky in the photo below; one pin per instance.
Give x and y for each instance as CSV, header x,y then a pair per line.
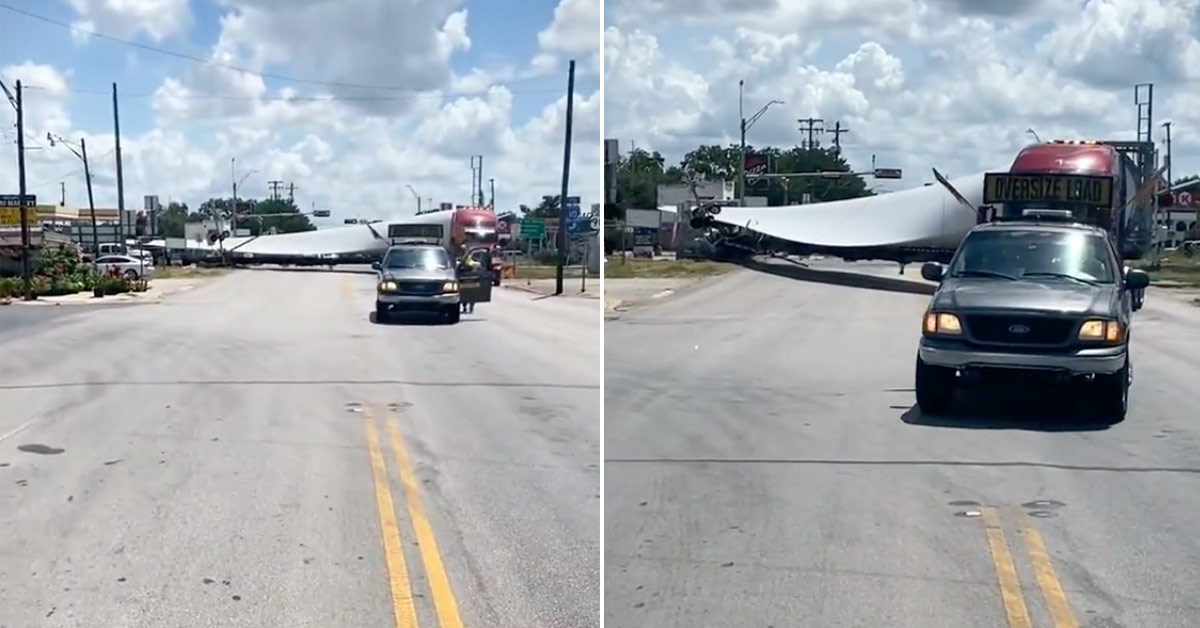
x,y
358,103
920,84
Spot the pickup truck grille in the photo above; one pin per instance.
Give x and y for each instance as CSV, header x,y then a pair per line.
x,y
419,287
1019,330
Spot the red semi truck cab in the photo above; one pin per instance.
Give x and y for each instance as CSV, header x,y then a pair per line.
x,y
1091,179
475,228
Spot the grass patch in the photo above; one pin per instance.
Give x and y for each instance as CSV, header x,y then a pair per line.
x,y
663,269
187,272
1173,271
539,271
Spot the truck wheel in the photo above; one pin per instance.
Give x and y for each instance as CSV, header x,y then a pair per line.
x,y
381,312
934,387
454,315
1112,395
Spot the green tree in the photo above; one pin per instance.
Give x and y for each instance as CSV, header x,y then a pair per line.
x,y
172,219
547,208
638,176
261,217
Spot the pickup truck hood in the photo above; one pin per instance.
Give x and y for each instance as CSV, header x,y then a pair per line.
x,y
417,274
1053,295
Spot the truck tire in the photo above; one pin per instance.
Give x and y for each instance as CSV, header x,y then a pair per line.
x,y
934,387
381,312
1111,399
453,316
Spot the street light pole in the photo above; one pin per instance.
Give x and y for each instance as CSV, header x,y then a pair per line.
x,y
415,195
87,174
745,126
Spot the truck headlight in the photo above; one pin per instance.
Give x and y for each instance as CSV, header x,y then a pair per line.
x,y
450,286
387,286
1102,330
942,323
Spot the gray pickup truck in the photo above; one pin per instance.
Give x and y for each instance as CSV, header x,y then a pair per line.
x,y
417,278
1035,303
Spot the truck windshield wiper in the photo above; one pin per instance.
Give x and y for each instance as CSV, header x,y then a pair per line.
x,y
982,273
1063,276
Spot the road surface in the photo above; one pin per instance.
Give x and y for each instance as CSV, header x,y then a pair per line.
x,y
764,467
256,452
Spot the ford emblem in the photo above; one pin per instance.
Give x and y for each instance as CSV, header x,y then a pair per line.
x,y
1018,329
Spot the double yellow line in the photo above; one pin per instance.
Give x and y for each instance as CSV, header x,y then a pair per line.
x,y
445,606
1043,569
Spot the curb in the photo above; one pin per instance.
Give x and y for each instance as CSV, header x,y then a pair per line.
x,y
577,295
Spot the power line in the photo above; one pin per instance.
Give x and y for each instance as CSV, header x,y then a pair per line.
x,y
210,62
323,98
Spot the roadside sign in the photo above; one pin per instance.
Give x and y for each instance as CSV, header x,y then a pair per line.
x,y
889,173
1184,199
579,225
14,200
533,228
572,207
10,209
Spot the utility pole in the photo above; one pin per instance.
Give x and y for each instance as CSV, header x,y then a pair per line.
x,y
1170,181
62,198
492,201
120,175
26,263
480,175
274,185
566,180
741,182
811,126
291,192
837,137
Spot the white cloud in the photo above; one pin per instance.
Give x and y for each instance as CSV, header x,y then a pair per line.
x,y
396,111
951,84
157,19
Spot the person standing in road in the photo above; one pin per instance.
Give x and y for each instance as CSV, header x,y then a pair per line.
x,y
468,266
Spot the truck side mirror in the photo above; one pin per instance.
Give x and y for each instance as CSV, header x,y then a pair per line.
x,y
931,271
1136,279
375,265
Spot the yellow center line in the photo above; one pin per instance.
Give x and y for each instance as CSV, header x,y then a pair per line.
x,y
1006,572
1047,579
444,604
403,607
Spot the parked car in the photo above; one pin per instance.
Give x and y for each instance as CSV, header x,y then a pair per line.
x,y
129,267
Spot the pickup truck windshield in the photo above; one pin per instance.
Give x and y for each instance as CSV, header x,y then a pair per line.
x,y
1043,255
424,258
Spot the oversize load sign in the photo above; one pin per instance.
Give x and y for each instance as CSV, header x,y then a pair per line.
x,y
1055,188
415,231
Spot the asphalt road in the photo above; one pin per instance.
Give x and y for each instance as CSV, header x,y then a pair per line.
x,y
256,452
764,467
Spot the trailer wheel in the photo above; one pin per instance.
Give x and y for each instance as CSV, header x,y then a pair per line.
x,y
934,387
